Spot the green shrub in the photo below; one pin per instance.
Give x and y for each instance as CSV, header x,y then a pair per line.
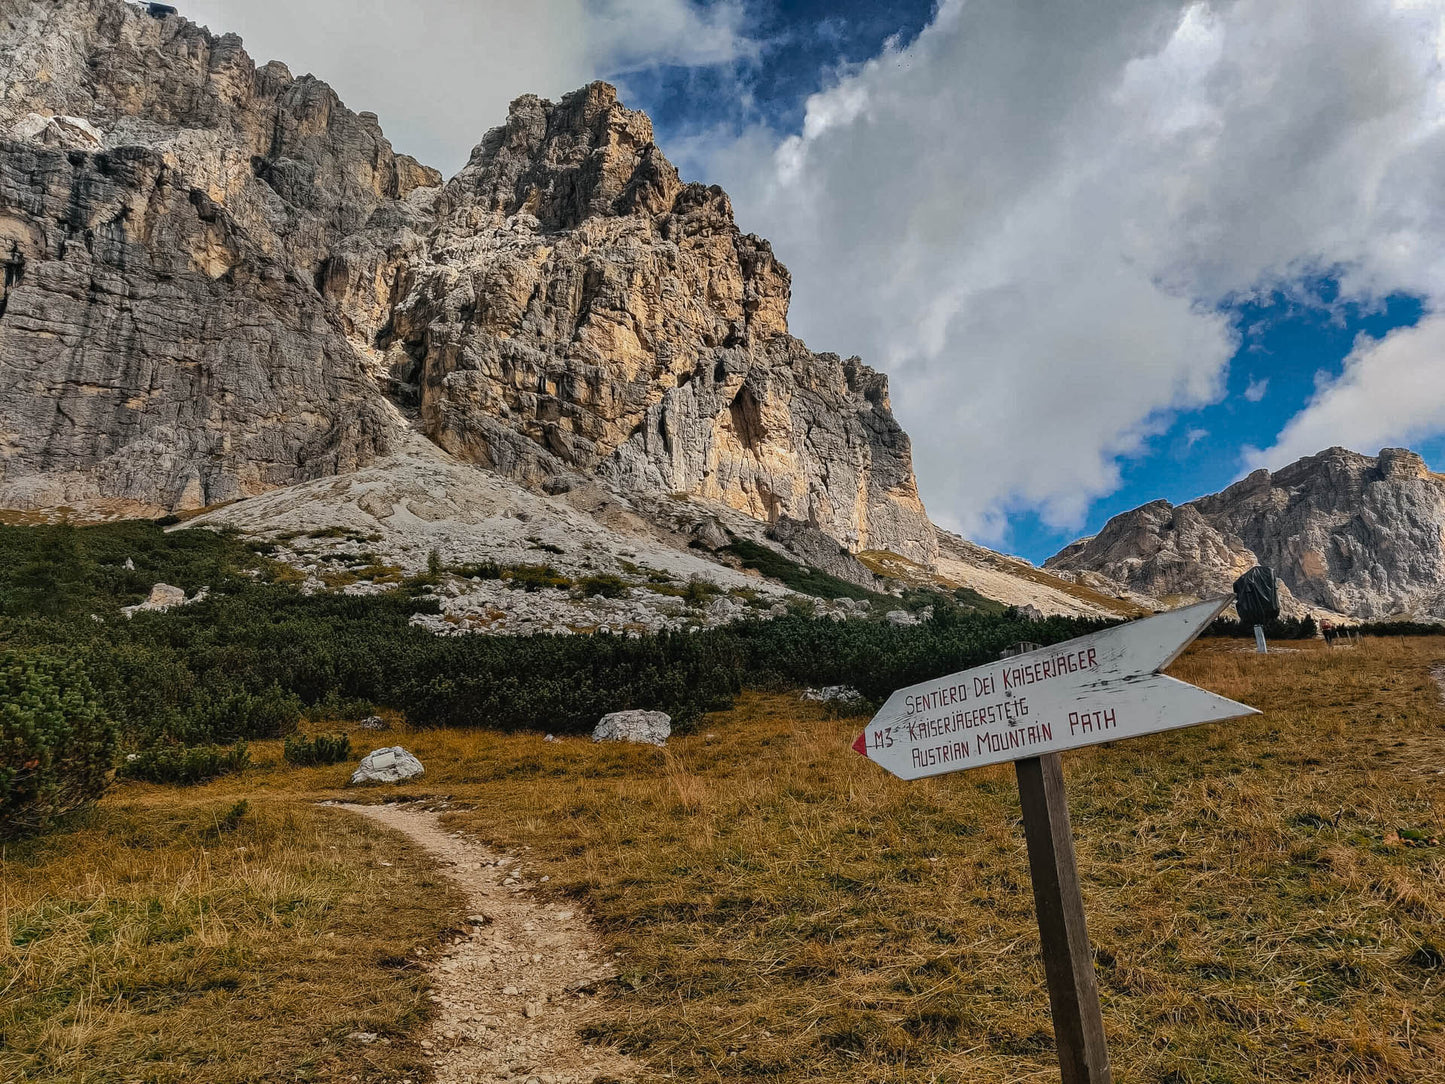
x,y
1281,628
606,585
322,749
480,570
185,765
536,577
700,592
1399,628
231,714
802,578
56,741
246,661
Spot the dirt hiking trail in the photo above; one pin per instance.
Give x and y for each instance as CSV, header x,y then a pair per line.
x,y
510,994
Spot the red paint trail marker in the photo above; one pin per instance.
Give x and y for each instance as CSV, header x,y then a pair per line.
x,y
1029,708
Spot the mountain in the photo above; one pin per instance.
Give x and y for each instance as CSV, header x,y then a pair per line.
x,y
221,280
225,292
1362,536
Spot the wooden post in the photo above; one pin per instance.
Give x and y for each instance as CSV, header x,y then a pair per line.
x,y
1068,963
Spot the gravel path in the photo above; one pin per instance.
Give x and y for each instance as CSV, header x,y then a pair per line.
x,y
511,995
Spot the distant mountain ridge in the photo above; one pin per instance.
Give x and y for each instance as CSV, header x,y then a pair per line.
x,y
1351,534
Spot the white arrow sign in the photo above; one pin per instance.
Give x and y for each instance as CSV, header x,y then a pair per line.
x,y
1097,688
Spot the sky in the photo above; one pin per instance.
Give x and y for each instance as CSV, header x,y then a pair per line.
x,y
1105,252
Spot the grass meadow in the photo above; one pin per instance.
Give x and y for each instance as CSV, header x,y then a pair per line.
x,y
785,910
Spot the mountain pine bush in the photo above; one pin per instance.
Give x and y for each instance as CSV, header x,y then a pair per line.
x,y
323,749
185,765
57,742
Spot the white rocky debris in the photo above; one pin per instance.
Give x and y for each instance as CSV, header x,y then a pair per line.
x,y
645,727
841,694
165,597
390,765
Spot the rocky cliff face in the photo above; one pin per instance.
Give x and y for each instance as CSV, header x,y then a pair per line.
x,y
220,280
1348,533
577,308
162,344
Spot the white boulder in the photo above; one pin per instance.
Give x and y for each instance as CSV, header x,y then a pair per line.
x,y
164,597
391,765
649,727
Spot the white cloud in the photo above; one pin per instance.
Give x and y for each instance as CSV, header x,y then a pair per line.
x,y
1390,393
632,34
1256,389
439,73
1032,215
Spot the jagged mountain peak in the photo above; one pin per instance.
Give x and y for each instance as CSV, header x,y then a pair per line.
x,y
237,285
1346,533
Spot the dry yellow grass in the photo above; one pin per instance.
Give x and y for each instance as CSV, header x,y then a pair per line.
x,y
172,936
789,911
786,910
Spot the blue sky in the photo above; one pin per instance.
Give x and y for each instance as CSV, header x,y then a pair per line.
x,y
1105,252
1285,347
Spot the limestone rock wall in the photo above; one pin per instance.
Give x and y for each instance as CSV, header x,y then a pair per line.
x,y
1353,534
219,279
579,308
163,344
150,357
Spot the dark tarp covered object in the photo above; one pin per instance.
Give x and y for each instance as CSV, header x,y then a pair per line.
x,y
1256,596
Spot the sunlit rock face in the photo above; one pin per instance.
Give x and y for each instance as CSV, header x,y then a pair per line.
x,y
219,280
1354,534
580,308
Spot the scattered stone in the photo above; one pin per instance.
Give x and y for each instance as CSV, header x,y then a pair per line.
x,y
647,727
901,617
363,1036
844,694
162,597
391,765
129,565
372,722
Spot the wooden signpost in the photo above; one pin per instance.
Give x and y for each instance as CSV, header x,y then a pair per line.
x,y
1029,708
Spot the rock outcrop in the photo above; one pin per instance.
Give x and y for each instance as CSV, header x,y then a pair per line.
x,y
1346,533
645,727
220,280
578,308
391,765
162,342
